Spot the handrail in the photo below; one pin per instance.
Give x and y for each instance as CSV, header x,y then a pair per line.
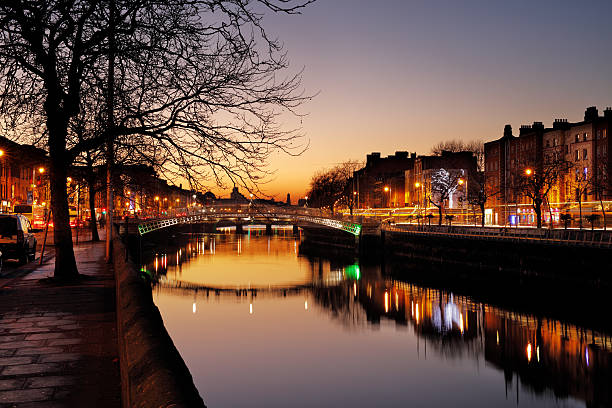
x,y
194,215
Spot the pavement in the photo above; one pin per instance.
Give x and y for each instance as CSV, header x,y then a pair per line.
x,y
58,343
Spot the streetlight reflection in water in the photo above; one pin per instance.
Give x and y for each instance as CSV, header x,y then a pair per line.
x,y
362,322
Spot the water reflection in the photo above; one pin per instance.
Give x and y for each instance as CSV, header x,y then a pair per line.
x,y
542,361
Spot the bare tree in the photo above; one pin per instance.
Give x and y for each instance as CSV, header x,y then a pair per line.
x,y
456,145
331,186
443,185
197,86
600,184
535,182
479,192
581,183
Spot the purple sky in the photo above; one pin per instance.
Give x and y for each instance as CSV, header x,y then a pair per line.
x,y
403,75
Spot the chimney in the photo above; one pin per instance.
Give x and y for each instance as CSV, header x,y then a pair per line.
x,y
537,126
591,113
608,113
507,131
560,124
413,155
401,155
372,158
524,129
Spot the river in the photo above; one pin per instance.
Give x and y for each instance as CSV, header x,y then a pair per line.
x,y
261,324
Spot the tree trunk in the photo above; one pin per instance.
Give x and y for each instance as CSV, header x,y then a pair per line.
x,y
482,214
57,125
93,225
537,206
65,262
580,213
440,215
603,212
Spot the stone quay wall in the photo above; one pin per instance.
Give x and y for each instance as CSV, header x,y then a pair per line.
x,y
153,373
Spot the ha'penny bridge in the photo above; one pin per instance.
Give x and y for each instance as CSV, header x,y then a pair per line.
x,y
244,215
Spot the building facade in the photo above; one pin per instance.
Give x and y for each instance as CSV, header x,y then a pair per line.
x,y
23,175
420,180
381,183
579,150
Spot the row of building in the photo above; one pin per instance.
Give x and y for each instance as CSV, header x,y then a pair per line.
x,y
581,148
24,181
405,180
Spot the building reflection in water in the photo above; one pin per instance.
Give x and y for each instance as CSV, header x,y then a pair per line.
x,y
543,354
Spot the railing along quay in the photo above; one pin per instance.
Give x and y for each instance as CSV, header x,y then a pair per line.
x,y
587,238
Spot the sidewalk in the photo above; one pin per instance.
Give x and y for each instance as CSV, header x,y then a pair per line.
x,y
58,344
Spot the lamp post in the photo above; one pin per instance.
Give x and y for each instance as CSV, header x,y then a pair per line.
x,y
417,185
461,183
388,190
528,173
157,201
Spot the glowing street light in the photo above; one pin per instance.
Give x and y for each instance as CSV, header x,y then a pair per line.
x,y
461,181
386,188
41,170
417,184
528,172
1,153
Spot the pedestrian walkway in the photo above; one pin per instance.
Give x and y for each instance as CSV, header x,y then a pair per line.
x,y
58,344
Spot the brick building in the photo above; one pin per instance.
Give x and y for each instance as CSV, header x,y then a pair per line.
x,y
381,183
418,180
21,182
583,146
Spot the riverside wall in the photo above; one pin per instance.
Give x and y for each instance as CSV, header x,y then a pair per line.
x,y
520,257
153,373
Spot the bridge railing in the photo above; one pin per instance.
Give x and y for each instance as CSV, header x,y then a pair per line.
x,y
270,213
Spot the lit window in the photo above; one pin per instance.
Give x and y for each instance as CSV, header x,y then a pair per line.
x,y
584,154
585,137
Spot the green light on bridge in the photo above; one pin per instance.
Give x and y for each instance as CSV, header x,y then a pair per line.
x,y
352,272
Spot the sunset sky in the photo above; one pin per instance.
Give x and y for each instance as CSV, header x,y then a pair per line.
x,y
403,75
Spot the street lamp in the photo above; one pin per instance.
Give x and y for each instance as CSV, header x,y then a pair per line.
x,y
157,201
388,190
306,198
528,171
417,185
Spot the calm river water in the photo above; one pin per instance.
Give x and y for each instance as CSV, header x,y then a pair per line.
x,y
261,325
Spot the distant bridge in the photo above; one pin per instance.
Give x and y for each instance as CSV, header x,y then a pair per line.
x,y
247,214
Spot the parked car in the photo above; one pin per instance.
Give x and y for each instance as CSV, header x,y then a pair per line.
x,y
16,239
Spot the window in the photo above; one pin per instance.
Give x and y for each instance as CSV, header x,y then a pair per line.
x,y
584,138
599,134
584,154
576,157
577,138
566,149
548,143
603,133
